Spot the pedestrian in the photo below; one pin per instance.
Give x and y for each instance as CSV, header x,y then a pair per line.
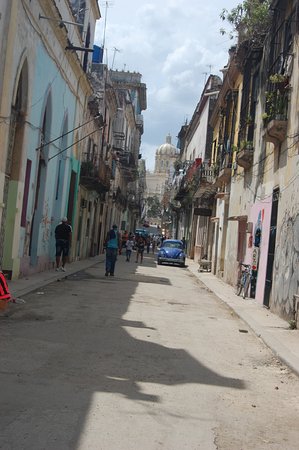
x,y
140,249
148,244
184,243
129,247
154,244
124,238
113,245
63,236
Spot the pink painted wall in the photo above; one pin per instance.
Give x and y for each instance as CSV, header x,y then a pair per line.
x,y
265,209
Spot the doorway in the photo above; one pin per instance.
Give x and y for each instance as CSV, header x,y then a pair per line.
x,y
271,247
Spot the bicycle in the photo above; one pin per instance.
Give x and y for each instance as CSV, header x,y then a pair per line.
x,y
244,280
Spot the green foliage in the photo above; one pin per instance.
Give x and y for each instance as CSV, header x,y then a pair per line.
x,y
154,207
276,106
246,144
278,78
250,20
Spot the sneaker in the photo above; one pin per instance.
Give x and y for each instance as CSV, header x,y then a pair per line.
x,y
111,274
106,274
62,269
57,269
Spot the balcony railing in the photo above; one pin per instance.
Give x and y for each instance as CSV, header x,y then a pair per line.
x,y
244,156
205,187
223,168
95,175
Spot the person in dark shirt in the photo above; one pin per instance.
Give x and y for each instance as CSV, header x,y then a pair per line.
x,y
113,244
140,248
63,236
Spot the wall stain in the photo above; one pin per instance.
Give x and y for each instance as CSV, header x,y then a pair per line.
x,y
286,268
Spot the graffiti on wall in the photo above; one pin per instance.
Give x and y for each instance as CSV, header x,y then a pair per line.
x,y
286,268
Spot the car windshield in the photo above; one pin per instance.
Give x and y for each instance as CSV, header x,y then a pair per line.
x,y
172,244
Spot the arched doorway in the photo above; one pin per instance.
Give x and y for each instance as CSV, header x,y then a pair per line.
x,y
40,187
14,160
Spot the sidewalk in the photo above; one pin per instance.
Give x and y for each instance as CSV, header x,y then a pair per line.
x,y
273,330
24,286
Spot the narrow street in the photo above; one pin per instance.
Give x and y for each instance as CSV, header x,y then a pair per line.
x,y
149,359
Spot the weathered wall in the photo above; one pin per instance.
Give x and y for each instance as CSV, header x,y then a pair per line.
x,y
286,267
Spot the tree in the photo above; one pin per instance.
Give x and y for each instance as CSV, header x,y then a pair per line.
x,y
250,20
154,207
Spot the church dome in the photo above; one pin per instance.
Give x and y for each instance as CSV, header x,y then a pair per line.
x,y
167,149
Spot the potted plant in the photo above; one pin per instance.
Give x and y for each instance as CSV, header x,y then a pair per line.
x,y
276,106
266,118
248,145
280,81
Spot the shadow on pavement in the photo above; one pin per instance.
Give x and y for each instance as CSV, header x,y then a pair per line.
x,y
71,341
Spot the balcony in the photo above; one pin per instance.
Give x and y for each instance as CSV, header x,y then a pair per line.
x,y
224,172
206,188
224,175
276,131
95,176
182,190
245,156
128,166
276,112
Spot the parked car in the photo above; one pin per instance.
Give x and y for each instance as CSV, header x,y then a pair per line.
x,y
172,251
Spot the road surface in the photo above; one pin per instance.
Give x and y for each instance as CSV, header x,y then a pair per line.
x,y
149,359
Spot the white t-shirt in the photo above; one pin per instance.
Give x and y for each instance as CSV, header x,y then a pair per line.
x,y
129,244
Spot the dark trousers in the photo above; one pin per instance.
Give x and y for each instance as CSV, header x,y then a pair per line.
x,y
111,255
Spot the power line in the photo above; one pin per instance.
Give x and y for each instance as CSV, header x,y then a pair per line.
x,y
74,143
68,132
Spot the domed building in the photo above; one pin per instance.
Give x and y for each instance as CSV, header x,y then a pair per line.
x,y
166,155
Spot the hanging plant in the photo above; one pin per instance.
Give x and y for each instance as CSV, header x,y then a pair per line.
x,y
278,78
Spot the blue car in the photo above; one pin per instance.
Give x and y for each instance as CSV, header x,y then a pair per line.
x,y
172,251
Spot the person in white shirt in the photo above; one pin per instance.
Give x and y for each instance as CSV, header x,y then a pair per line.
x,y
129,247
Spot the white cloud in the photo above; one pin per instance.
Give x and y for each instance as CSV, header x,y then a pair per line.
x,y
174,44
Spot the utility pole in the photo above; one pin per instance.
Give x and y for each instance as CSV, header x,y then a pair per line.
x,y
114,52
106,5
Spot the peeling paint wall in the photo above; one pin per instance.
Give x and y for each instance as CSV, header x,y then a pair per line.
x,y
286,268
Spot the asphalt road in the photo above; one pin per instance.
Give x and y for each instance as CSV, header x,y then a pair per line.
x,y
149,359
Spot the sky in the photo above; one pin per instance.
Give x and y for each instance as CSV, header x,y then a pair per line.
x,y
175,45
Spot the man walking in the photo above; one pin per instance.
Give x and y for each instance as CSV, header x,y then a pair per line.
x,y
113,245
63,236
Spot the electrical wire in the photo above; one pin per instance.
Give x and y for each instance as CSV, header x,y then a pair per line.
x,y
68,132
74,143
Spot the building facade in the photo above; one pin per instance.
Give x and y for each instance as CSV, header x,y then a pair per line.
x,y
248,194
59,119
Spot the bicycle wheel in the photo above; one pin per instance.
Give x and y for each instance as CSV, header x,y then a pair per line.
x,y
246,286
239,288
